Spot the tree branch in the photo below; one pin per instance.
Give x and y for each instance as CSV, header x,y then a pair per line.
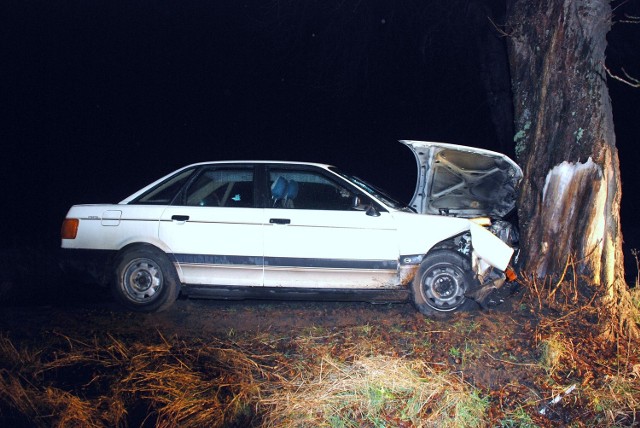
x,y
627,80
629,19
503,33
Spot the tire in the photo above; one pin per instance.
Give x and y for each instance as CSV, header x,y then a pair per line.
x,y
145,280
439,287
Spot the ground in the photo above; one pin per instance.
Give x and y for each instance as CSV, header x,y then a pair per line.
x,y
515,356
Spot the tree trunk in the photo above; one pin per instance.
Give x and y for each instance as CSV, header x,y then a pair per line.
x,y
569,206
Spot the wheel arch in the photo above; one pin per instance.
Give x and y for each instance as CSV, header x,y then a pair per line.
x,y
140,245
460,243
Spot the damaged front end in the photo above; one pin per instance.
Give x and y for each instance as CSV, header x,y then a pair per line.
x,y
490,261
489,279
481,186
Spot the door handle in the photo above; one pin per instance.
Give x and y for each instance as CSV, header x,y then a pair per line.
x,y
279,221
180,217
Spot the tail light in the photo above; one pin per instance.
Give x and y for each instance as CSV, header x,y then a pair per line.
x,y
69,228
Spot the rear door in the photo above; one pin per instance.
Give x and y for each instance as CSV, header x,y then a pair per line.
x,y
314,238
215,230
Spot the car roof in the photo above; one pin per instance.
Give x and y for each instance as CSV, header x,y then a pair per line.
x,y
322,165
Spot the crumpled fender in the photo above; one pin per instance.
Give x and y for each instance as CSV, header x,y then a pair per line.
x,y
490,248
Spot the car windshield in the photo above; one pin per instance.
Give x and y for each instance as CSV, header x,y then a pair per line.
x,y
375,191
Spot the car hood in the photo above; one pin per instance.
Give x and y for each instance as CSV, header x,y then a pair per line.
x,y
463,181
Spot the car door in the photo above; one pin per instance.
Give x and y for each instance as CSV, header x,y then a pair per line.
x,y
314,238
215,229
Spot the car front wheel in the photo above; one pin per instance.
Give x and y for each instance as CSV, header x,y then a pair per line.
x,y
145,280
441,282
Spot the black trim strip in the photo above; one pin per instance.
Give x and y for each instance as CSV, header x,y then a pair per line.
x,y
216,259
331,263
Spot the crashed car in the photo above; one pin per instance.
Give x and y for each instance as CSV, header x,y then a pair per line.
x,y
268,229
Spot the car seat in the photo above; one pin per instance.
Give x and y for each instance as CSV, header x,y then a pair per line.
x,y
292,192
279,191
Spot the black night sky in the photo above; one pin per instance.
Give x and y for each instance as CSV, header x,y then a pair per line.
x,y
101,97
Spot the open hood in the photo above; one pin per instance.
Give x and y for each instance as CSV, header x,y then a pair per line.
x,y
463,181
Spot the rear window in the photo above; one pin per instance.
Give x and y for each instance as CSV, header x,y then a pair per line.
x,y
165,192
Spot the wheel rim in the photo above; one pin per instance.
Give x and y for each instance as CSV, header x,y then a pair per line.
x,y
443,287
142,280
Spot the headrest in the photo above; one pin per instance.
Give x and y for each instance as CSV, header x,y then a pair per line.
x,y
279,188
292,189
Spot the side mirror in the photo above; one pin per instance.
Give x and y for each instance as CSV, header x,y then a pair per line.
x,y
363,203
372,211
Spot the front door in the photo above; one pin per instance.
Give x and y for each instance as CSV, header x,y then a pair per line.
x,y
314,238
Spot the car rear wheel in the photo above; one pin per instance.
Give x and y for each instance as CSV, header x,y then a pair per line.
x,y
441,282
145,280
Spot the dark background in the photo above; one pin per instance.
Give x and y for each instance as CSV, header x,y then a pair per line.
x,y
99,98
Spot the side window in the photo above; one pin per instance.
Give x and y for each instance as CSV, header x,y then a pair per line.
x,y
164,193
222,187
307,190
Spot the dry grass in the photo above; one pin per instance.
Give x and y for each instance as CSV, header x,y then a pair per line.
x,y
173,383
618,397
215,385
192,388
552,350
375,391
572,350
399,375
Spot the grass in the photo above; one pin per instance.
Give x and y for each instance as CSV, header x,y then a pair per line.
x,y
475,370
552,350
376,391
171,382
519,418
175,383
334,378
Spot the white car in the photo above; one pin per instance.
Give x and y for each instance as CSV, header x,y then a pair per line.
x,y
256,229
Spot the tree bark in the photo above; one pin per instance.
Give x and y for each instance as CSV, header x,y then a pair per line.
x,y
569,207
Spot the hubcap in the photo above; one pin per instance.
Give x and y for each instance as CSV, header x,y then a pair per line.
x,y
443,287
142,280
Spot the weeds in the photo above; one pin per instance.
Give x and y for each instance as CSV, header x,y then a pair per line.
x,y
177,383
519,418
552,350
475,370
455,352
380,391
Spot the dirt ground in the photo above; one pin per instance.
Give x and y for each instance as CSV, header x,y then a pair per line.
x,y
406,331
495,349
95,312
